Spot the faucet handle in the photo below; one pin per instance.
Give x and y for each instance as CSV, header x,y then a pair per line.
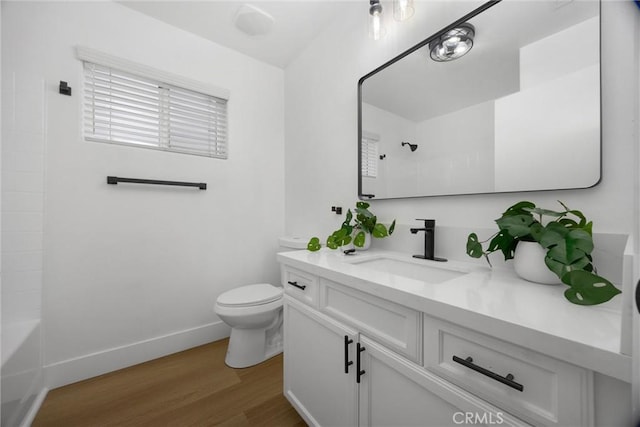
x,y
428,223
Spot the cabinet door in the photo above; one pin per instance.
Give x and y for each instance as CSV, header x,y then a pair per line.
x,y
315,381
394,391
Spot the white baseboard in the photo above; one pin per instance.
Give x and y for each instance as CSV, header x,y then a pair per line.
x,y
35,407
94,364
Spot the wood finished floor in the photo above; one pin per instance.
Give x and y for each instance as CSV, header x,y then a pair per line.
x,y
190,388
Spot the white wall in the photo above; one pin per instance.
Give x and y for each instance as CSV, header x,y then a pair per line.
x,y
449,164
321,130
22,210
23,149
132,272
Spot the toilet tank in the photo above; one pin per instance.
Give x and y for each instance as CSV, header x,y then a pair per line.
x,y
290,243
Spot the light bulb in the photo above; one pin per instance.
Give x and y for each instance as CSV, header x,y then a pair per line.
x,y
376,28
402,9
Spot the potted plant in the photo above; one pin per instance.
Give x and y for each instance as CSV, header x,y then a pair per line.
x,y
567,240
358,229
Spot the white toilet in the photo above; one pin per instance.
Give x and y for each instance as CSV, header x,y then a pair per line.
x,y
254,313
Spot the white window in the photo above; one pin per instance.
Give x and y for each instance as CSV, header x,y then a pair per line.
x,y
369,155
137,108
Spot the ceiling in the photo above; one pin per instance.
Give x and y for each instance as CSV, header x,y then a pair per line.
x,y
296,23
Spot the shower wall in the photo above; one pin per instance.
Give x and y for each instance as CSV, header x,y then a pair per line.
x,y
22,209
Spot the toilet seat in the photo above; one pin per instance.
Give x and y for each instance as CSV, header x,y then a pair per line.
x,y
250,295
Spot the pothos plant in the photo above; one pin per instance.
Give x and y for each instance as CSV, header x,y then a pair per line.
x,y
567,238
363,222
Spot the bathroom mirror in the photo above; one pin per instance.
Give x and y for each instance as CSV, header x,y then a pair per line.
x,y
519,112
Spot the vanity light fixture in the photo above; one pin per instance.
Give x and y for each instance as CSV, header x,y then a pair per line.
x,y
402,9
453,44
376,28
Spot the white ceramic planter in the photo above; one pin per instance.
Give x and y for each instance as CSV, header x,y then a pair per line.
x,y
528,262
367,240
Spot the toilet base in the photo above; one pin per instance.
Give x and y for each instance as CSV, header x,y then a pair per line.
x,y
248,347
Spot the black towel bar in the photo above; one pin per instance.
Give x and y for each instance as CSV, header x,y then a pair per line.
x,y
117,179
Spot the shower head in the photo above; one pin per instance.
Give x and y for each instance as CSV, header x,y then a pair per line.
x,y
413,147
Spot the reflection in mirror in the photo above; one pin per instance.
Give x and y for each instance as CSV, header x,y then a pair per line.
x,y
518,112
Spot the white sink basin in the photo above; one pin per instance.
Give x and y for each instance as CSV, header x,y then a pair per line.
x,y
424,270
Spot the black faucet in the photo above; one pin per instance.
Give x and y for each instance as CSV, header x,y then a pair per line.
x,y
429,239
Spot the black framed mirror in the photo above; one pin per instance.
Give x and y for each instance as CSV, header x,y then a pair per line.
x,y
521,111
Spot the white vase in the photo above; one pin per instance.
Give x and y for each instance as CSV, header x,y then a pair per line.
x,y
367,240
528,262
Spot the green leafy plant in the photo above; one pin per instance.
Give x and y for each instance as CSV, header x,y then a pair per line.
x,y
567,238
363,222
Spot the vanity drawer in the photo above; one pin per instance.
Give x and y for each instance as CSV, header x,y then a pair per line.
x,y
540,389
396,326
300,285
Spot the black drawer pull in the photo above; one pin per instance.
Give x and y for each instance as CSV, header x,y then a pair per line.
x,y
347,362
303,287
508,380
359,372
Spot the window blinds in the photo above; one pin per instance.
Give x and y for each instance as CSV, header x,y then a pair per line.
x,y
369,157
125,108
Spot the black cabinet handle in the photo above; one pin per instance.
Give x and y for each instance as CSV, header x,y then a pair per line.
x,y
347,362
303,287
359,372
508,380
638,296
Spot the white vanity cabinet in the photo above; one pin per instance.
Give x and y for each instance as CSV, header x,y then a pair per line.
x,y
354,359
470,350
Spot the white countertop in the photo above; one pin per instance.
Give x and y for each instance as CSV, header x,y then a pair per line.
x,y
495,302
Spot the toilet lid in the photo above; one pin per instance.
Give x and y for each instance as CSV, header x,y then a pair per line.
x,y
293,242
261,293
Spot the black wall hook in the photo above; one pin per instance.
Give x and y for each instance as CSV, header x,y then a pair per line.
x,y
65,89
